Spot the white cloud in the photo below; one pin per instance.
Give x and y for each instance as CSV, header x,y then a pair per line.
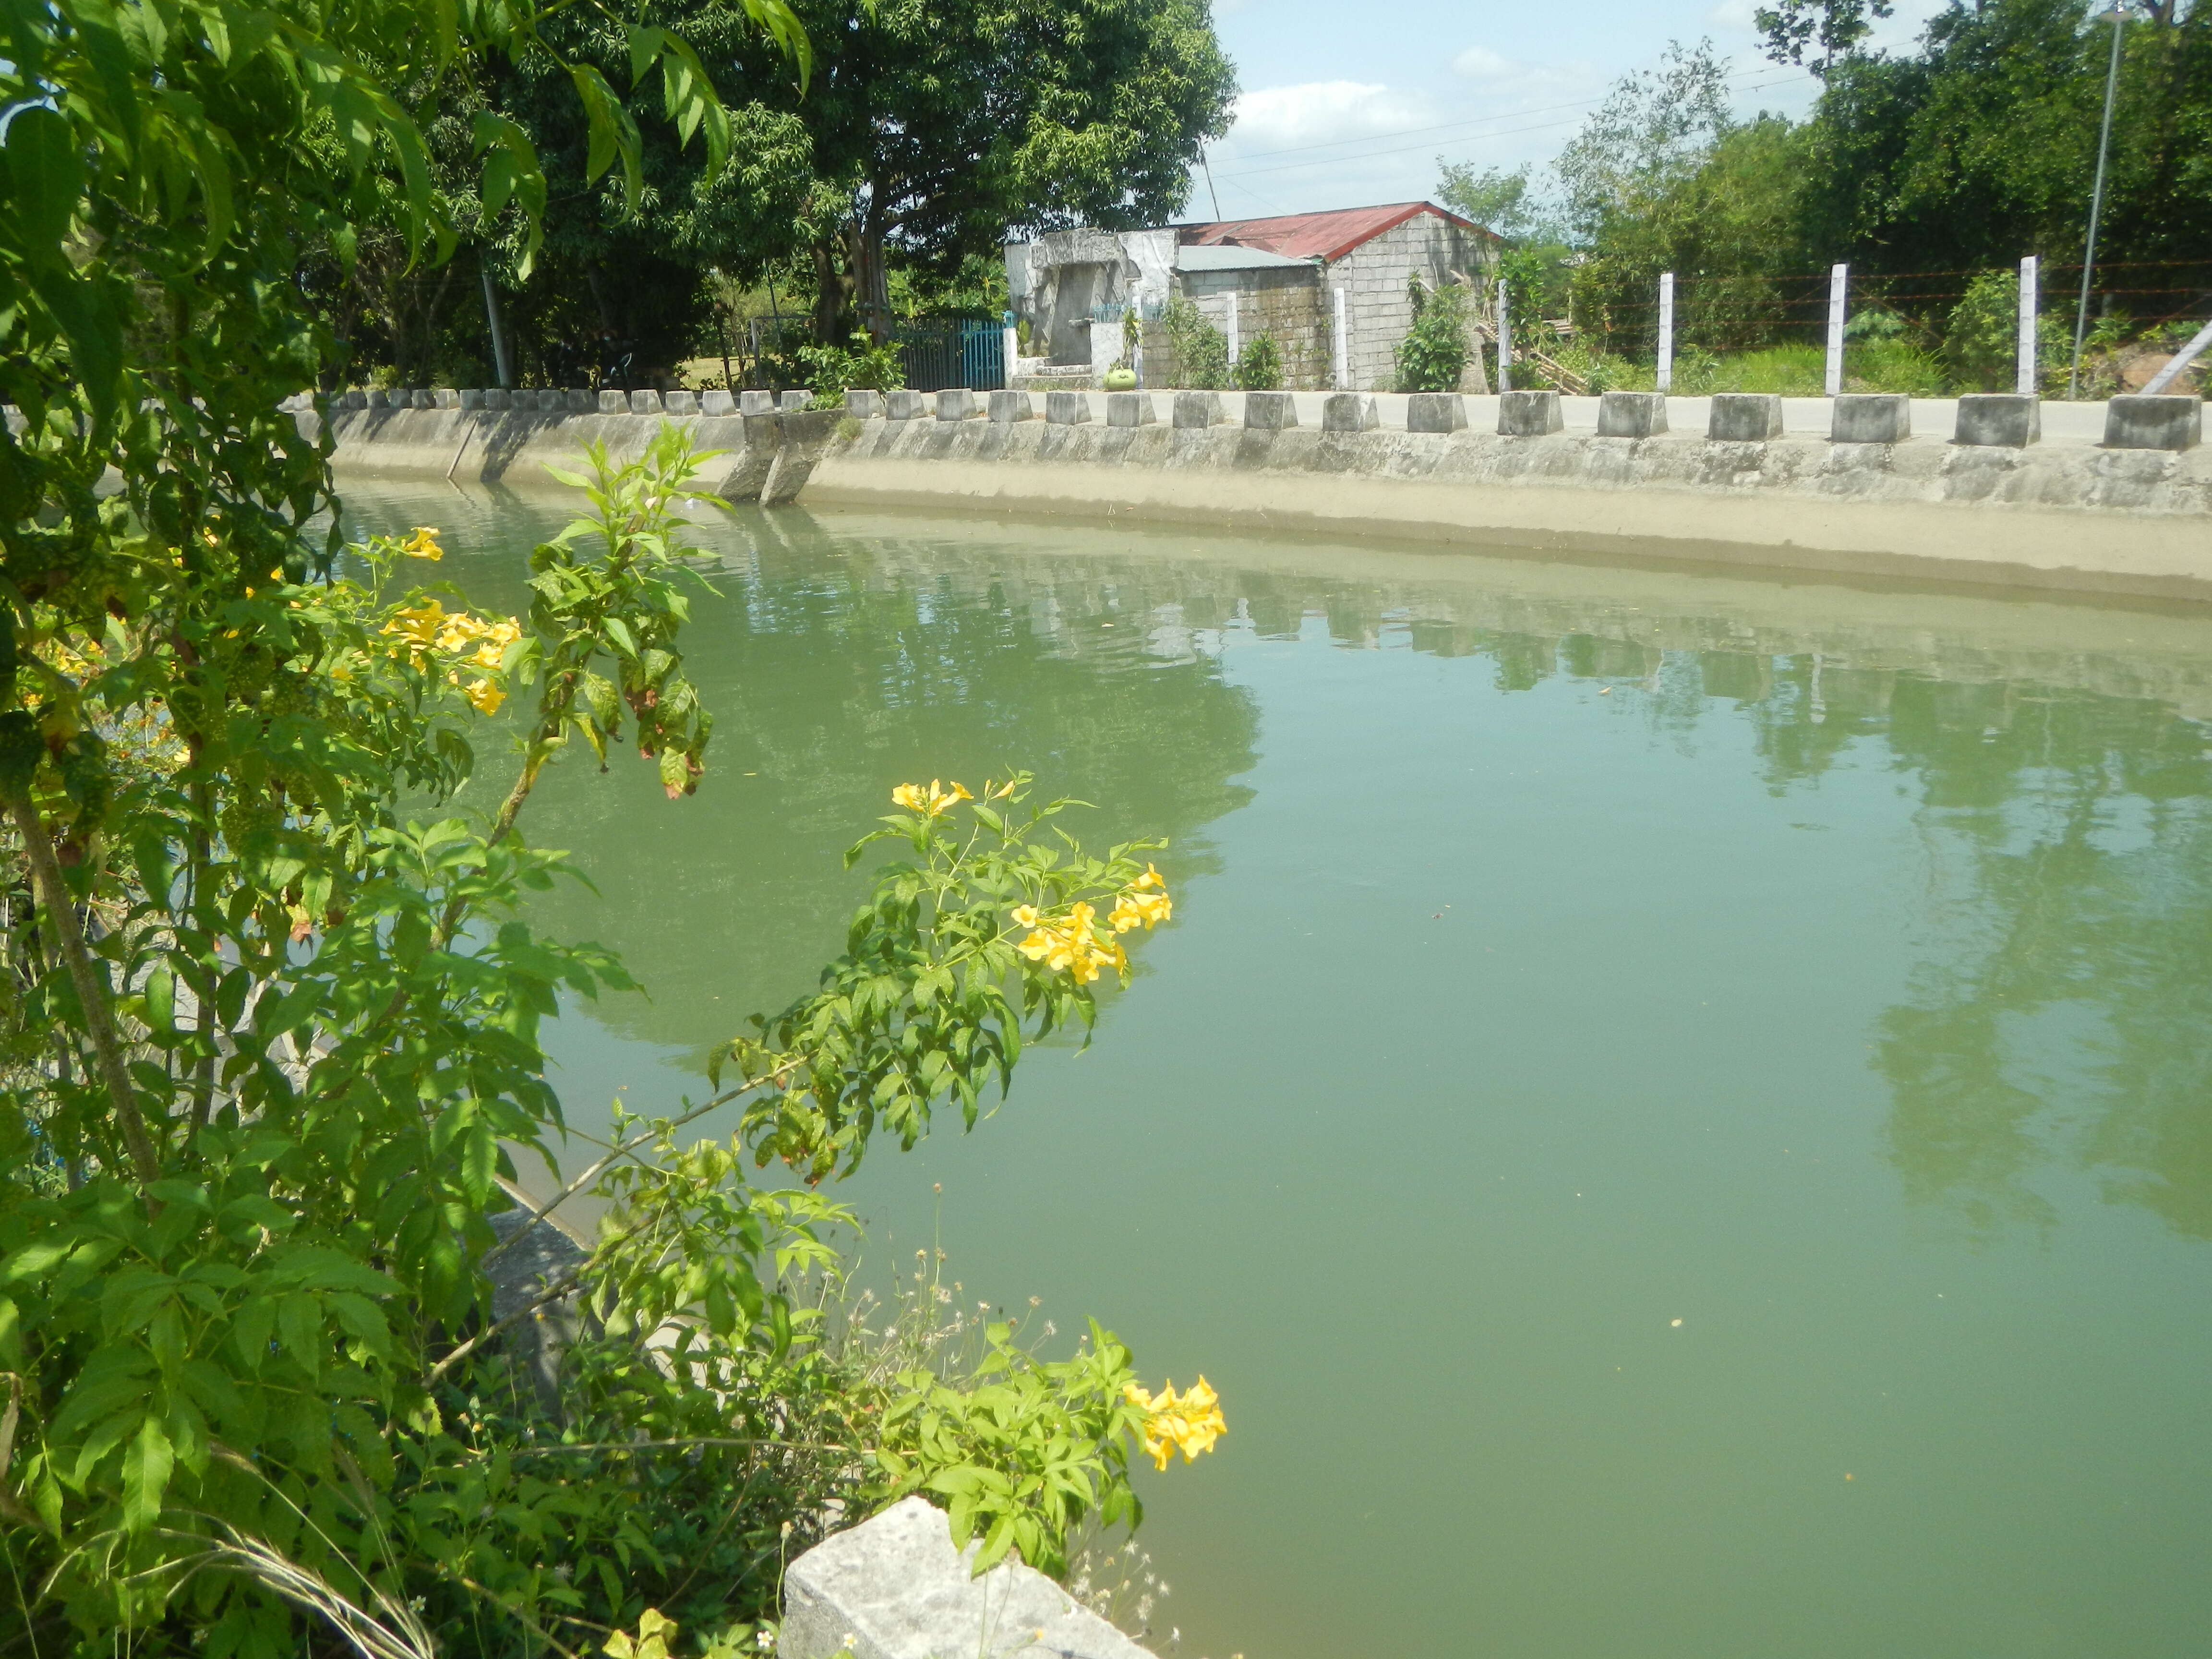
x,y
1481,63
1320,113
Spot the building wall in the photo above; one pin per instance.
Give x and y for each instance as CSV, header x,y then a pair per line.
x,y
1373,275
1285,302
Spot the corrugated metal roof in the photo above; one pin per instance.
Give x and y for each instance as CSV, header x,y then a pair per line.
x,y
1196,256
1316,235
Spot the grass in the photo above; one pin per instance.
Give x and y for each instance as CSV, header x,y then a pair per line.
x,y
1789,371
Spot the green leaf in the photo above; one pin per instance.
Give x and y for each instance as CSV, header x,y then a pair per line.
x,y
299,1322
613,132
146,1466
45,180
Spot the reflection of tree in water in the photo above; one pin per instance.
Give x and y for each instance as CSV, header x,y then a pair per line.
x,y
835,670
2063,1009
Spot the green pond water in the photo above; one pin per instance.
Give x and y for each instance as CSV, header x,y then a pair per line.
x,y
1673,1107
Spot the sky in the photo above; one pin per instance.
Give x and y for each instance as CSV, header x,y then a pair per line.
x,y
1348,104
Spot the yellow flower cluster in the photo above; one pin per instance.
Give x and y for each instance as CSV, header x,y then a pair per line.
x,y
933,802
1071,946
423,543
476,641
1146,902
1190,1424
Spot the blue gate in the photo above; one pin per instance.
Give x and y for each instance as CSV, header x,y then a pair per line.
x,y
936,352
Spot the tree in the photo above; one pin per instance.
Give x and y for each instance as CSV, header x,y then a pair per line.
x,y
1981,147
1834,26
1661,179
1499,201
269,1040
941,126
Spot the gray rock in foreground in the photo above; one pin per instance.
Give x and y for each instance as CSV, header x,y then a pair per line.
x,y
896,1587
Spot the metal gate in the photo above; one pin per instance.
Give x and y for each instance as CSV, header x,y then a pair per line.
x,y
936,352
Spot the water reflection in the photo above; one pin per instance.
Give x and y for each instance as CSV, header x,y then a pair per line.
x,y
2060,1013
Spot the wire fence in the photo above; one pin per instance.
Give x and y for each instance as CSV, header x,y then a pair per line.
x,y
1740,311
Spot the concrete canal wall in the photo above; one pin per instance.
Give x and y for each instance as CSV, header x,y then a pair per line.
x,y
2101,498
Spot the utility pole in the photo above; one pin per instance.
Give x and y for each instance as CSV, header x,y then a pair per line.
x,y
2117,17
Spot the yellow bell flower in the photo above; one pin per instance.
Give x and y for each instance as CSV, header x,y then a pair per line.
x,y
423,543
1190,1424
1140,907
419,627
934,802
485,696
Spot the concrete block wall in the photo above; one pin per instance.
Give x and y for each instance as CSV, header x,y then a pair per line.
x,y
1373,275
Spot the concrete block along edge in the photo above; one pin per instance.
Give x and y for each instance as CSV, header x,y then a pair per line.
x,y
1870,418
1007,407
1998,420
1068,408
613,403
681,403
1531,414
1632,414
717,403
796,401
956,403
1349,412
645,403
756,403
897,405
1130,409
2161,423
863,404
1436,411
1744,417
1270,411
580,401
897,1588
1200,409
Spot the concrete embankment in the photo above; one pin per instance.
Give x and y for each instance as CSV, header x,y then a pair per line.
x,y
2065,512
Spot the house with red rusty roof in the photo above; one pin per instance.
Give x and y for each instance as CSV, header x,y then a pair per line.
x,y
1332,289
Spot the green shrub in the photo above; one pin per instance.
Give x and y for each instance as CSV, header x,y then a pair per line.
x,y
1201,350
832,371
1433,354
1259,365
1981,340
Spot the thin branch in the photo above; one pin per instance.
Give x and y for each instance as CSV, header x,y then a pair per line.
x,y
93,989
552,1293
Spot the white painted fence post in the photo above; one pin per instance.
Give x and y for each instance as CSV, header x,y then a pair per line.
x,y
1504,342
1343,345
1235,345
1837,277
1666,329
2026,385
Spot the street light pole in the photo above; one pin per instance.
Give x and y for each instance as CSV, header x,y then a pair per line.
x,y
2117,18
